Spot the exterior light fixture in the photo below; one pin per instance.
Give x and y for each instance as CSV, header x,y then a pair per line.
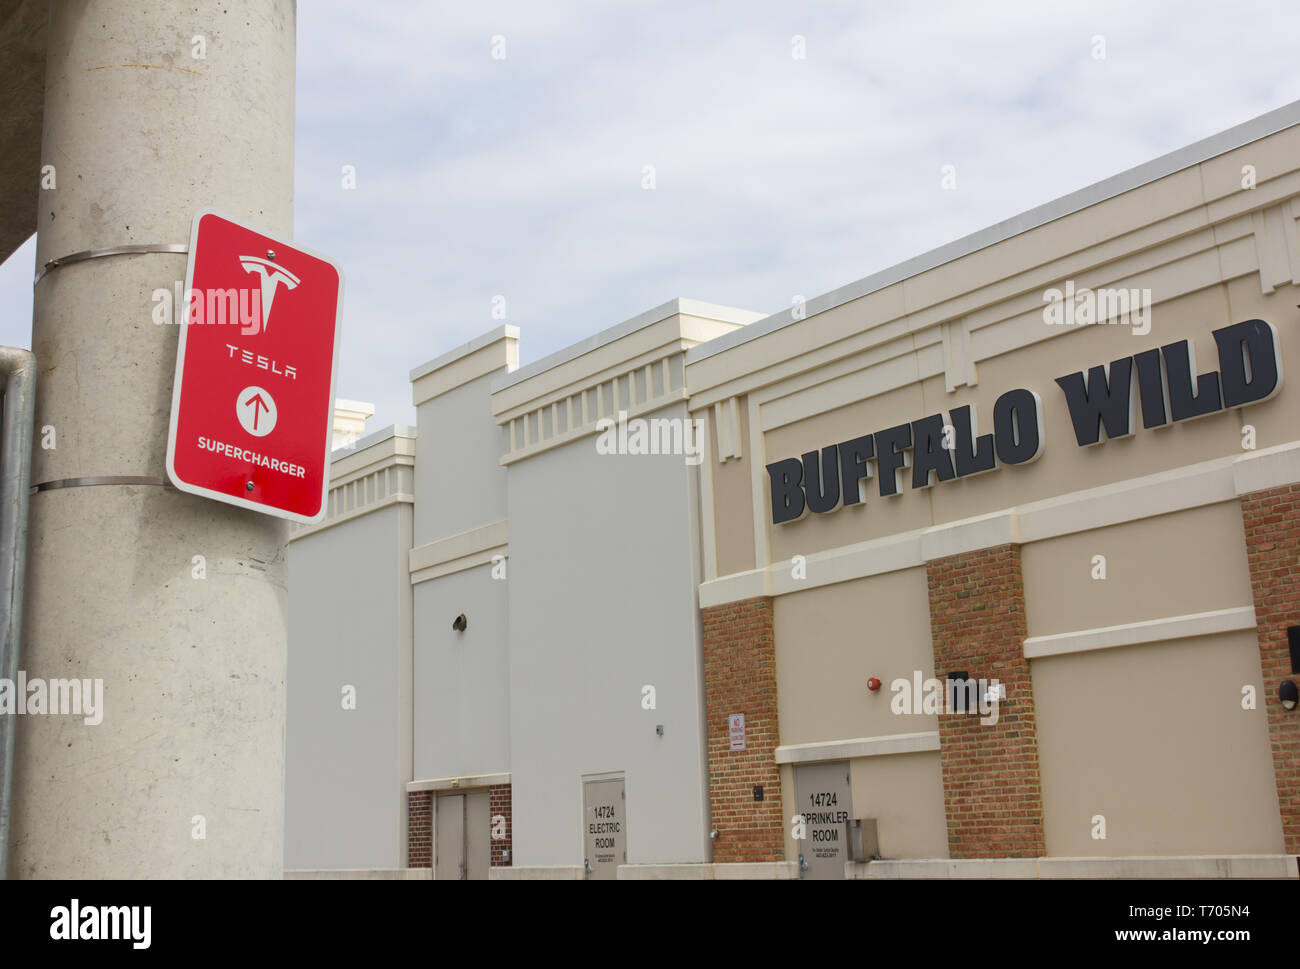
x,y
1288,694
460,623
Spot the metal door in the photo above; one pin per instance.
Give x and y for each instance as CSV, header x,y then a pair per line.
x,y
823,798
463,832
449,833
604,826
478,834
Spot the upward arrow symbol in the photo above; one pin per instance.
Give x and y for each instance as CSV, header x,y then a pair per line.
x,y
257,401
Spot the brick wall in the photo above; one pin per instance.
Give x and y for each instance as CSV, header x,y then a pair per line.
x,y
740,677
419,829
991,786
1273,550
499,807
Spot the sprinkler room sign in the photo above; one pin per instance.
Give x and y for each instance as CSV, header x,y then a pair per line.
x,y
1157,387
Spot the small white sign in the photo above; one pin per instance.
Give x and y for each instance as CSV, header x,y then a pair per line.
x,y
736,723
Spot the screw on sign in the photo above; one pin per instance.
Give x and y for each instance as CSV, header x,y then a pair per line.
x,y
256,366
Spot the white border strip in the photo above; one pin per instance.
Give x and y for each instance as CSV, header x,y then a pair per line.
x,y
486,556
680,306
458,783
473,541
1193,486
758,493
901,743
397,498
1137,866
1141,633
708,522
715,871
503,332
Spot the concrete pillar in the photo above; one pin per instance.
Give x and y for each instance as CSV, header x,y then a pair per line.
x,y
142,133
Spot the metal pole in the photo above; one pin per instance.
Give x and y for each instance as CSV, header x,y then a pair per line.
x,y
18,368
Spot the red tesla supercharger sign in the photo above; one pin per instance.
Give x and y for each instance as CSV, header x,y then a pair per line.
x,y
253,399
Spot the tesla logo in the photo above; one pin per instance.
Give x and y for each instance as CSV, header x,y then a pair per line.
x,y
272,276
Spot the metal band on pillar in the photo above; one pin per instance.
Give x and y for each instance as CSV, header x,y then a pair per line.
x,y
101,480
132,249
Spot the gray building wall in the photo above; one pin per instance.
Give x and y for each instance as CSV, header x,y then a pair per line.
x,y
462,679
349,622
459,481
462,717
603,577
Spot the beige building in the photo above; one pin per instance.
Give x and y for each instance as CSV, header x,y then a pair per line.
x,y
1057,458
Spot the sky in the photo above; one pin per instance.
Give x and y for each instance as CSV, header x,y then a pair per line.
x,y
578,163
